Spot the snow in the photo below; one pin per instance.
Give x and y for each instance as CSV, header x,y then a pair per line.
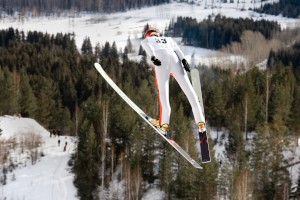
x,y
154,194
12,125
119,27
50,177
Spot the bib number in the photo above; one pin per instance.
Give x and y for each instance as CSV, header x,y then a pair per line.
x,y
158,40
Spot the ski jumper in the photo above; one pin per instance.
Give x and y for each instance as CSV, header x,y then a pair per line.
x,y
167,51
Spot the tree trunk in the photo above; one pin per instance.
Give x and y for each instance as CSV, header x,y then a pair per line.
x,y
128,181
76,124
76,120
138,180
267,94
122,165
276,171
246,116
112,168
104,132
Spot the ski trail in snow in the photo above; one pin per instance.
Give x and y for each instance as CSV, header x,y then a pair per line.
x,y
59,189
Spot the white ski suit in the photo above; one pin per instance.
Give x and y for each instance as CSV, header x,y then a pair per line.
x,y
166,50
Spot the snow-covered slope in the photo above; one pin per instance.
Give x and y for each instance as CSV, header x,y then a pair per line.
x,y
12,125
49,178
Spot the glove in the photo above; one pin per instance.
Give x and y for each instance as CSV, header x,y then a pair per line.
x,y
186,65
155,61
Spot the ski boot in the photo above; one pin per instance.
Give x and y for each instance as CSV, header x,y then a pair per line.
x,y
203,143
201,126
163,128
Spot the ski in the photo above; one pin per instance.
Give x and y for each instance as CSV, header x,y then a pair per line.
x,y
202,136
144,116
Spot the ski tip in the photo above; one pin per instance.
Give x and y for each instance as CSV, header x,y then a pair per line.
x,y
195,164
198,166
97,65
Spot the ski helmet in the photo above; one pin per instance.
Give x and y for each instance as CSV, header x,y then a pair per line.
x,y
151,32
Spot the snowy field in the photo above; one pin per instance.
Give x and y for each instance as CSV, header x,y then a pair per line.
x,y
119,27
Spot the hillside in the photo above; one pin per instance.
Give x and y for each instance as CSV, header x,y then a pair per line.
x,y
49,177
12,125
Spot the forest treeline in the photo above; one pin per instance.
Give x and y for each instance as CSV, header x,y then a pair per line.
x,y
58,6
46,78
288,8
286,56
213,33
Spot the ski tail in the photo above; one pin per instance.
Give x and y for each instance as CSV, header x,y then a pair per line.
x,y
204,146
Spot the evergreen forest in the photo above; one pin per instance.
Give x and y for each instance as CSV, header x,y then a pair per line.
x,y
58,6
218,31
288,8
47,78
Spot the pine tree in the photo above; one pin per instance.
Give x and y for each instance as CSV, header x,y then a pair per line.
x,y
129,46
114,51
235,148
125,55
43,114
98,51
86,47
278,144
141,50
282,98
66,117
28,100
165,168
281,102
217,103
11,93
106,49
92,166
144,100
85,165
3,93
250,105
260,161
182,133
295,115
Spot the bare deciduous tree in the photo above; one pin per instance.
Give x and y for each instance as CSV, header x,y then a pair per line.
x,y
254,46
104,125
32,142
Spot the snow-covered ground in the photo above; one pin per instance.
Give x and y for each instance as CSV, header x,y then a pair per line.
x,y
12,125
119,27
49,178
